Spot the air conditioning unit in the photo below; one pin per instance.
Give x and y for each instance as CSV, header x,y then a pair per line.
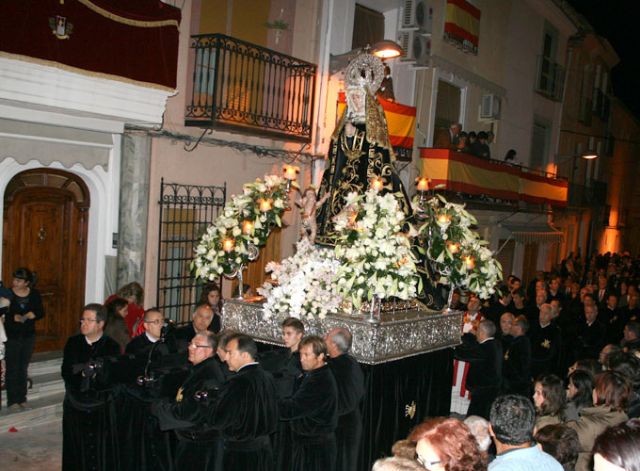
x,y
424,16
408,20
416,47
490,107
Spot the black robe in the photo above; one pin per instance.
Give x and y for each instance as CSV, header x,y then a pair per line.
x,y
590,340
199,446
313,412
246,413
516,368
485,372
142,444
545,349
350,382
89,439
286,369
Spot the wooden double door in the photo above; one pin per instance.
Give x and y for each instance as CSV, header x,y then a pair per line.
x,y
45,230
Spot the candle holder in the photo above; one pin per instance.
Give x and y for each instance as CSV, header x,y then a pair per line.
x,y
290,173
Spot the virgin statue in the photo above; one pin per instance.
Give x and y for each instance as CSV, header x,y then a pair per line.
x,y
360,150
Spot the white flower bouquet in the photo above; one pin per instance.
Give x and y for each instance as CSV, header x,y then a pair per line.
x,y
304,284
374,249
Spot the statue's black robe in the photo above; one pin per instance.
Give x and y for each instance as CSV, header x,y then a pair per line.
x,y
89,439
142,444
199,447
286,369
247,414
350,383
313,412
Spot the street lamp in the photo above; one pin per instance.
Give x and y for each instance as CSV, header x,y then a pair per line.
x,y
385,49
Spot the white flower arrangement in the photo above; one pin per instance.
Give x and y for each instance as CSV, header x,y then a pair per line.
x,y
244,225
373,250
305,286
455,251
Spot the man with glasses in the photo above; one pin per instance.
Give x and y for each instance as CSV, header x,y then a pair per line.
x,y
199,446
200,322
88,432
247,409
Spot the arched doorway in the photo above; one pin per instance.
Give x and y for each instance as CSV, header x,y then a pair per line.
x,y
45,229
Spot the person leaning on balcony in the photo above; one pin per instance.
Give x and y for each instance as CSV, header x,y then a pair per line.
x,y
447,138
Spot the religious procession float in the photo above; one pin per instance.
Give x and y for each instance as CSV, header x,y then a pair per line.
x,y
368,257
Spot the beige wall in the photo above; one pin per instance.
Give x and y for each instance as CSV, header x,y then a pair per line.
x,y
211,164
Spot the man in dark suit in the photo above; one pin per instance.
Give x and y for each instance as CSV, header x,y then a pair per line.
x,y
516,368
545,343
591,335
200,321
350,382
484,353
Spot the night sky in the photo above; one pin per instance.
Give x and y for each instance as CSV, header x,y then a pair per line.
x,y
617,21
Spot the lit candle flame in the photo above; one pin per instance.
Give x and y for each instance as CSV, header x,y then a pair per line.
x,y
247,227
228,245
423,184
290,172
453,247
265,205
443,218
376,184
469,261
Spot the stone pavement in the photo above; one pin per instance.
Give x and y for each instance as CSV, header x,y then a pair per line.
x,y
37,448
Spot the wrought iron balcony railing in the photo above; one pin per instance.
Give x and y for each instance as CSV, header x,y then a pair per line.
x,y
244,86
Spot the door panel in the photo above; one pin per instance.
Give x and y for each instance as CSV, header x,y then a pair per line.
x,y
45,230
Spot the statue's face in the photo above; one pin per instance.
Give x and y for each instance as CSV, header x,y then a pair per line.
x,y
356,100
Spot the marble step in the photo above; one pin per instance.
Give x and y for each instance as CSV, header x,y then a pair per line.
x,y
44,410
43,385
44,367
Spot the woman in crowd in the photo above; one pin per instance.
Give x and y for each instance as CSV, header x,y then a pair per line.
x,y
134,295
212,296
549,399
610,396
561,442
618,448
579,393
25,309
445,444
116,327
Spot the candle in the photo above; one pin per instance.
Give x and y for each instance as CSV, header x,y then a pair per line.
x,y
265,205
228,245
290,172
423,184
468,260
247,227
443,218
453,247
376,184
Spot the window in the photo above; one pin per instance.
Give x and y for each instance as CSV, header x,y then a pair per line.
x,y
539,144
550,74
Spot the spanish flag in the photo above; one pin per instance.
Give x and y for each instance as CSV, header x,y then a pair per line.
x,y
401,121
462,23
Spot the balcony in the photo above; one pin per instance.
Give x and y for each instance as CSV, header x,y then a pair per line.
x,y
550,78
491,181
249,88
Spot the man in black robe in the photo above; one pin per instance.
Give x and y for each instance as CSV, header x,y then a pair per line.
x,y
89,439
591,334
149,375
199,446
484,354
246,411
313,411
350,382
200,323
516,368
544,336
284,365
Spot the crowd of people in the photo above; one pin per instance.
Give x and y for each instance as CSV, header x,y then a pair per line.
x,y
474,143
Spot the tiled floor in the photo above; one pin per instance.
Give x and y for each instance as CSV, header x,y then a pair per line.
x,y
35,449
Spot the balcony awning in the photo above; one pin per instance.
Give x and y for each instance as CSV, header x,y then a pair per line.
x,y
534,233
